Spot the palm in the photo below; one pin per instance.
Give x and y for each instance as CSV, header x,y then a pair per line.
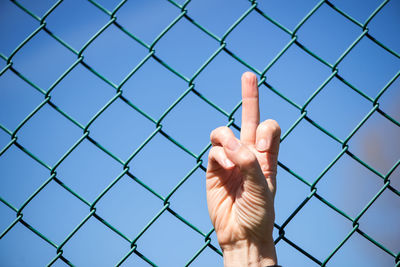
x,y
229,200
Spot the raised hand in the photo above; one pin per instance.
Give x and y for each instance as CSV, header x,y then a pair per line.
x,y
241,184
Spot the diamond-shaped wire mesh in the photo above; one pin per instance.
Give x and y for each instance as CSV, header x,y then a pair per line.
x,y
126,154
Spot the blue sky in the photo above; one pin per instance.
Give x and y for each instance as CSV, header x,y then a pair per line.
x,y
161,164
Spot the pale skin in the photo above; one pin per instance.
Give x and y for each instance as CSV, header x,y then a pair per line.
x,y
241,184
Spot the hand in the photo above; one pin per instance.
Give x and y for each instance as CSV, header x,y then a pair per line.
x,y
241,184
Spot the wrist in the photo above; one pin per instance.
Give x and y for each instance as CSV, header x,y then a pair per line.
x,y
248,253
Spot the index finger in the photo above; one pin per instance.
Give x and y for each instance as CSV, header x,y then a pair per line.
x,y
250,108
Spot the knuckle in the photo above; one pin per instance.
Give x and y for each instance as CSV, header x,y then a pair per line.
x,y
212,134
218,132
224,130
271,124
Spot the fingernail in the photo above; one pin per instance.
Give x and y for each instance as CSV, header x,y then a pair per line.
x,y
262,145
228,163
233,144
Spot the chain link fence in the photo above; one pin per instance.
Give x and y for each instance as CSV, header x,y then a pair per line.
x,y
198,158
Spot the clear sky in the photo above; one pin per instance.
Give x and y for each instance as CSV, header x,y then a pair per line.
x,y
162,164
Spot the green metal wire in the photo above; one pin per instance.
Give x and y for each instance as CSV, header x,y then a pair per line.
x,y
198,164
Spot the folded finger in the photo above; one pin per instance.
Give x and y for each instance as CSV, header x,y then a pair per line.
x,y
268,137
220,136
217,159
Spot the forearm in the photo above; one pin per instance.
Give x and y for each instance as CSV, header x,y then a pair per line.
x,y
246,253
